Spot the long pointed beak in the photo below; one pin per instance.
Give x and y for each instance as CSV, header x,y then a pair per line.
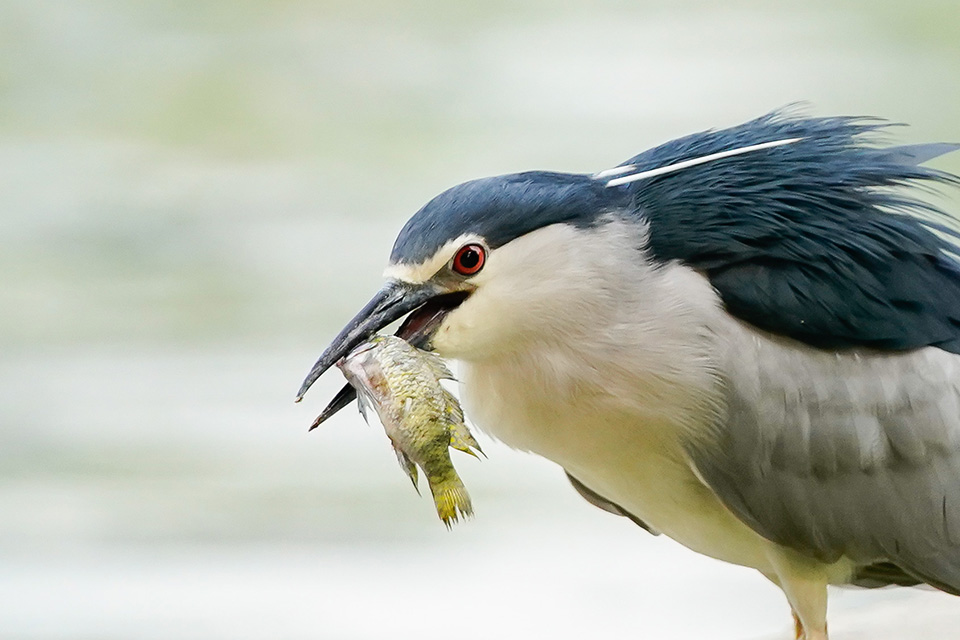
x,y
417,329
344,397
392,302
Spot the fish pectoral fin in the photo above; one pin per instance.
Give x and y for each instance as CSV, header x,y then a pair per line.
x,y
364,404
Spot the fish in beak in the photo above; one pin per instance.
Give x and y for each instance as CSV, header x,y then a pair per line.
x,y
427,301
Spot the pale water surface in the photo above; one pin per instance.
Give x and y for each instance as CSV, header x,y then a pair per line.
x,y
194,196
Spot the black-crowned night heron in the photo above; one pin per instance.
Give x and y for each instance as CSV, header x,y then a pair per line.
x,y
746,339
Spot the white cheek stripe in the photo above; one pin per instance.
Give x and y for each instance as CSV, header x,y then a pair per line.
x,y
420,272
686,164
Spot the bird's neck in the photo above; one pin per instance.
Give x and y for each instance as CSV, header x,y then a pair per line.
x,y
635,374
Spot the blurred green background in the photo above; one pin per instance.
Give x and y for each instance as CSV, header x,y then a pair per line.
x,y
194,196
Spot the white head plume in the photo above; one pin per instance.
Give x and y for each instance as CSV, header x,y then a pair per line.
x,y
685,164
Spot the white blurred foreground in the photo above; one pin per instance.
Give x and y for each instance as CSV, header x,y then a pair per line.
x,y
183,508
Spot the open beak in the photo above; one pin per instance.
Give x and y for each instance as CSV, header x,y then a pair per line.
x,y
428,301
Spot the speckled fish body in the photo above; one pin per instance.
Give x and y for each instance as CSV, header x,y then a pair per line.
x,y
421,418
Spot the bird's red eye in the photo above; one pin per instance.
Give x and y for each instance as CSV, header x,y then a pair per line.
x,y
469,259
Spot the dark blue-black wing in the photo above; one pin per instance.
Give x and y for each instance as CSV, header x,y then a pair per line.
x,y
817,239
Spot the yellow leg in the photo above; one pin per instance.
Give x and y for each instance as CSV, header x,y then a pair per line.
x,y
805,585
797,626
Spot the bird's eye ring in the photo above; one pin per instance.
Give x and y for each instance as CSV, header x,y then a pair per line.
x,y
469,259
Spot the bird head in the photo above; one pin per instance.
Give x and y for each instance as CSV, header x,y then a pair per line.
x,y
486,262
790,219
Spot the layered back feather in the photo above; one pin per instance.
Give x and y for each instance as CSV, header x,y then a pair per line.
x,y
815,238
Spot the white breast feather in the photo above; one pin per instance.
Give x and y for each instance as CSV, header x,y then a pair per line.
x,y
613,382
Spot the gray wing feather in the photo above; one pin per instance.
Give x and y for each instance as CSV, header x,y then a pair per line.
x,y
597,500
852,454
920,153
882,574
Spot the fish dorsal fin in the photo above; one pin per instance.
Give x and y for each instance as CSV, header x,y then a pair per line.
x,y
453,410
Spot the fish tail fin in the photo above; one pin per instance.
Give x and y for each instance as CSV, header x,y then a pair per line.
x,y
451,499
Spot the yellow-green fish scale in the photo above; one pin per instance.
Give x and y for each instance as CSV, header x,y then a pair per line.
x,y
421,418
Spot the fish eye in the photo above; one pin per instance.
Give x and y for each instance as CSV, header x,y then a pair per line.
x,y
469,259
